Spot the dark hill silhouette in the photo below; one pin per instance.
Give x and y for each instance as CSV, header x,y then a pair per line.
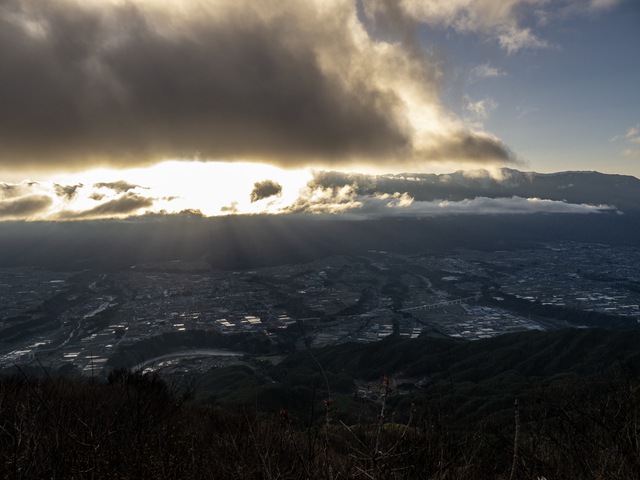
x,y
576,416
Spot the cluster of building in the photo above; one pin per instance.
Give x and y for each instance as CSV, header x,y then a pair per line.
x,y
588,277
333,300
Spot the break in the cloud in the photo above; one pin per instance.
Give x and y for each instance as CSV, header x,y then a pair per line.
x,y
133,82
265,189
498,191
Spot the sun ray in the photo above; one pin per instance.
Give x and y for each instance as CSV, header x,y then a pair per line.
x,y
175,186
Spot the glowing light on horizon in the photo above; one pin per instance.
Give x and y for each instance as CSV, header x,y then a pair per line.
x,y
216,188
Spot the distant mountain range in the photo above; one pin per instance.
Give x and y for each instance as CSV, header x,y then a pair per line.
x,y
580,187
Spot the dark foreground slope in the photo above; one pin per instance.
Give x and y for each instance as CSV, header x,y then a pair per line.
x,y
479,379
584,426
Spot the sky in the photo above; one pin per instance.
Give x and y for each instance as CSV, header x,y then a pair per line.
x,y
113,108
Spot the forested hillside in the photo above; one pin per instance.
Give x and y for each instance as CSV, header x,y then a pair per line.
x,y
556,405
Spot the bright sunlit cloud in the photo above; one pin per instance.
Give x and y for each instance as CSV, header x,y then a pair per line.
x,y
218,189
175,186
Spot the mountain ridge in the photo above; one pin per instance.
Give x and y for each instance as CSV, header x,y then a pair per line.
x,y
581,187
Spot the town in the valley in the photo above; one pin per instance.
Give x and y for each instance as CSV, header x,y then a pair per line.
x,y
79,320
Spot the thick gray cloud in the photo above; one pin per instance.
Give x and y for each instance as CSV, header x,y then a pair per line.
x,y
97,196
132,82
24,207
120,186
67,191
265,189
127,204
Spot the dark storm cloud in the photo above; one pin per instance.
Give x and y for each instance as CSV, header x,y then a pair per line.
x,y
127,83
470,147
265,189
24,207
120,186
128,203
67,191
234,88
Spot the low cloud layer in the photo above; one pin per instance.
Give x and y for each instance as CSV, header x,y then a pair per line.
x,y
346,202
350,195
87,83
